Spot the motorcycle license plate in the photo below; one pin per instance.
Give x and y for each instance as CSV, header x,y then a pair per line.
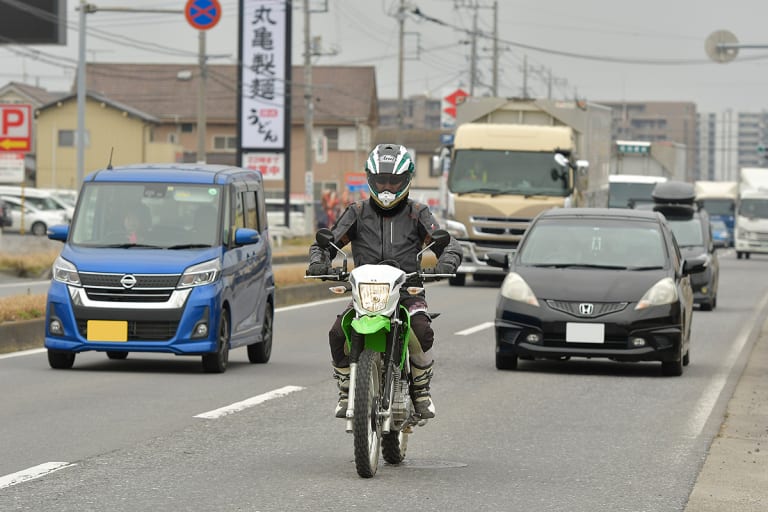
x,y
576,332
107,330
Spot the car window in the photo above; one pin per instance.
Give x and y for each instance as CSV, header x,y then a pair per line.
x,y
602,242
688,232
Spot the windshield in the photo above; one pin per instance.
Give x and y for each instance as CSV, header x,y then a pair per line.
x,y
613,243
507,172
688,232
754,208
621,195
148,215
722,207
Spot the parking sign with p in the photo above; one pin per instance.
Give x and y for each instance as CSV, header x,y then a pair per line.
x,y
15,127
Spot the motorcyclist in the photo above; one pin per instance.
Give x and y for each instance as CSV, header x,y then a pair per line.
x,y
388,226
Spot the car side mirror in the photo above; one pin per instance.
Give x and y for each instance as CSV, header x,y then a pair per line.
x,y
694,265
498,259
441,238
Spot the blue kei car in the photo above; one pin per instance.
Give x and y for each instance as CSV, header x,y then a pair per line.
x,y
164,258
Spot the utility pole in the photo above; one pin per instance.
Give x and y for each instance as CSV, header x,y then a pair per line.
x,y
495,89
400,66
201,89
473,58
309,186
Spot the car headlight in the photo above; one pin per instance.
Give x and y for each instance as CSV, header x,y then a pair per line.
x,y
373,296
201,274
663,292
456,229
65,272
515,288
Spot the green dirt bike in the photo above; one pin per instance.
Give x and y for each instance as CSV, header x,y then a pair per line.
x,y
380,414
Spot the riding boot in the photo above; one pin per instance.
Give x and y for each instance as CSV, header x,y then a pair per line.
x,y
422,399
342,381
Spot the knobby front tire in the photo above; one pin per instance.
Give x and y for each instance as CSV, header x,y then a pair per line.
x,y
366,425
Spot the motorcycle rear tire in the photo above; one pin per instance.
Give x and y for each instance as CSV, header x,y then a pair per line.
x,y
366,425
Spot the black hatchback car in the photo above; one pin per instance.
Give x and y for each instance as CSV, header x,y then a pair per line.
x,y
596,283
693,233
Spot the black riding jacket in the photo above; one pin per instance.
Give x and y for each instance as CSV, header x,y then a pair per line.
x,y
377,234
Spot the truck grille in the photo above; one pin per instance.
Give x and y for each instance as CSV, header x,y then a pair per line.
x,y
499,226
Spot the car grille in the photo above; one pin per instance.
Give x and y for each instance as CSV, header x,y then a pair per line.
x,y
139,330
598,308
148,287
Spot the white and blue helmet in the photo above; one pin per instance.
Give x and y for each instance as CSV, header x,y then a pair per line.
x,y
389,169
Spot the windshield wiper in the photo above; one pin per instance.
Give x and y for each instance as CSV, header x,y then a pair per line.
x,y
649,267
579,265
486,190
188,246
130,245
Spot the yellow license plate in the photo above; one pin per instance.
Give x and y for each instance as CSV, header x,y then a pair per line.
x,y
107,330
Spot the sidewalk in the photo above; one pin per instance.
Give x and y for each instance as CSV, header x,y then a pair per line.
x,y
734,477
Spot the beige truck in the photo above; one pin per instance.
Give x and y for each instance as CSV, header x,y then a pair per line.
x,y
511,159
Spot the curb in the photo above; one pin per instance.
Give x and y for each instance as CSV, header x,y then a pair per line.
x,y
30,334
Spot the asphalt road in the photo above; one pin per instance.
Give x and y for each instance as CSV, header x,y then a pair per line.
x,y
582,435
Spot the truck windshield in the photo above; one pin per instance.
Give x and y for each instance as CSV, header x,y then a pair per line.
x,y
148,215
507,172
754,208
626,195
722,207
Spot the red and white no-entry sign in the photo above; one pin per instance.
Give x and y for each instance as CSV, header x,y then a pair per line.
x,y
15,127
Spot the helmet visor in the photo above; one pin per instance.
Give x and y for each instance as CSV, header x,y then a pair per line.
x,y
388,182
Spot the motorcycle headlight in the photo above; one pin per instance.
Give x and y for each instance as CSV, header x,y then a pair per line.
x,y
663,292
514,287
65,272
201,274
373,296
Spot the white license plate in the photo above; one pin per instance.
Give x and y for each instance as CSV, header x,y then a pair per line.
x,y
584,333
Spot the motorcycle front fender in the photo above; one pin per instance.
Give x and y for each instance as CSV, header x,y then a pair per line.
x,y
374,329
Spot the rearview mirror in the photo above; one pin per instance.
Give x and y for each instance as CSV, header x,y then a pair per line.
x,y
497,259
324,237
441,237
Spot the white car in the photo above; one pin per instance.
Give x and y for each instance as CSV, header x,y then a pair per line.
x,y
35,221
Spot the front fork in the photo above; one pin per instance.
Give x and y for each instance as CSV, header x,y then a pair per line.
x,y
394,349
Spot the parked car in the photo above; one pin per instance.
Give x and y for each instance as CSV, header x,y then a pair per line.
x,y
5,215
693,232
721,235
596,283
34,221
169,258
38,198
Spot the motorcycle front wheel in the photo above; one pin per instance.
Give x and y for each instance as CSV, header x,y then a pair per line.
x,y
366,425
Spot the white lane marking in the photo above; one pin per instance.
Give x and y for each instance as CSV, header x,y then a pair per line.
x,y
22,353
706,404
32,473
473,330
315,303
249,402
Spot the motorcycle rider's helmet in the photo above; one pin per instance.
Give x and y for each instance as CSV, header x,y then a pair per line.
x,y
389,170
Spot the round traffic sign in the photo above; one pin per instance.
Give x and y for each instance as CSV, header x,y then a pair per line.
x,y
202,14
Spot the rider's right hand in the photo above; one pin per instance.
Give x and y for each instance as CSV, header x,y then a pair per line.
x,y
318,268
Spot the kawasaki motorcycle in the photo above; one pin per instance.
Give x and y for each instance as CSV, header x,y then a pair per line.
x,y
380,412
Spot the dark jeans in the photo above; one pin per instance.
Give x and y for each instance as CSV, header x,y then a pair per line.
x,y
420,327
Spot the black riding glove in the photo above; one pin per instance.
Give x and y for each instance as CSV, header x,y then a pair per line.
x,y
318,268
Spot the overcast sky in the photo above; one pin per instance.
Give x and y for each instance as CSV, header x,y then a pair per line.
x,y
597,49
